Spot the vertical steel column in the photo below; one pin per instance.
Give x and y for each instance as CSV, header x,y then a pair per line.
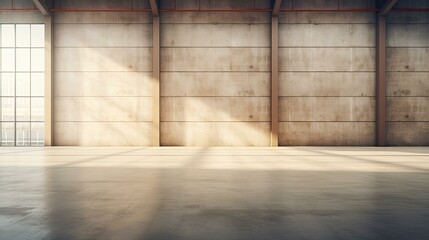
x,y
274,81
155,82
49,116
380,129
381,81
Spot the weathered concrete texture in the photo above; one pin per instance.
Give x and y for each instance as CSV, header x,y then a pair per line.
x,y
103,59
103,84
17,4
215,133
102,133
408,109
407,59
327,133
21,17
103,17
215,4
215,59
215,78
232,109
413,4
215,84
334,109
102,4
215,17
215,35
103,35
101,109
407,35
103,79
407,18
334,59
334,35
330,4
330,84
407,133
408,76
327,75
326,17
407,84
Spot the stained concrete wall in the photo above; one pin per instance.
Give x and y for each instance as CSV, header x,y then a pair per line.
x,y
215,79
327,75
215,75
102,79
20,17
408,76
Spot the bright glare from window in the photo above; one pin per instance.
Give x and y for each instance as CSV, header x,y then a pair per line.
x,y
22,84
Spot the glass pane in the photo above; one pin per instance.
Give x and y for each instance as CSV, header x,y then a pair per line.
x,y
37,35
37,59
22,59
7,84
8,60
22,134
7,134
37,84
37,134
7,109
37,110
23,84
7,35
23,35
23,109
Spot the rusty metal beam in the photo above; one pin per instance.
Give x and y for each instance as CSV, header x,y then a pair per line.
x,y
381,81
42,7
154,7
388,5
380,138
155,81
274,81
276,7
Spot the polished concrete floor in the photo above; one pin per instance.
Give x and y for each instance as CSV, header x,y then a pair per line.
x,y
214,193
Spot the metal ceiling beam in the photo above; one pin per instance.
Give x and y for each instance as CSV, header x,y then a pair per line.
x,y
42,7
276,7
154,7
388,5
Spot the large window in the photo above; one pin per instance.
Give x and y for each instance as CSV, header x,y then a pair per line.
x,y
22,84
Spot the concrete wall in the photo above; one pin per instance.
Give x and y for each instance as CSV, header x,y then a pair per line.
x,y
215,75
20,17
327,75
102,80
408,76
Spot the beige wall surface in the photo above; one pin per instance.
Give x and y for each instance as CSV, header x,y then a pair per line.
x,y
102,78
407,77
20,17
215,81
215,77
327,75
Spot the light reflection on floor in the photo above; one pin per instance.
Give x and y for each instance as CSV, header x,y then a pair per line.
x,y
214,193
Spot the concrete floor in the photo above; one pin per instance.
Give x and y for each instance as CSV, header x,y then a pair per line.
x,y
214,193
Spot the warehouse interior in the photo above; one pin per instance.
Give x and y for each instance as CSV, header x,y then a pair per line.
x,y
214,119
